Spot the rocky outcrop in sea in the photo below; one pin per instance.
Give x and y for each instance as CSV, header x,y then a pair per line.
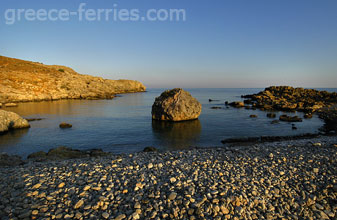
x,y
176,105
286,98
24,81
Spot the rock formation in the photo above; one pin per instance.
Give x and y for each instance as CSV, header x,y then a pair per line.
x,y
176,105
11,120
23,81
286,98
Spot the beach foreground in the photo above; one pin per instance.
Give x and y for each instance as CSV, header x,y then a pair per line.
x,y
281,180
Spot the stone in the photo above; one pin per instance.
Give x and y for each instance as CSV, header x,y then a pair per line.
x,y
271,115
275,122
11,120
150,149
173,180
308,116
317,144
65,153
120,217
65,125
79,204
172,196
105,215
253,116
150,166
237,104
10,160
11,105
61,185
176,105
290,119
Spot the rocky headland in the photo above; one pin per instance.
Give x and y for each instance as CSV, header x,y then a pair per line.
x,y
25,81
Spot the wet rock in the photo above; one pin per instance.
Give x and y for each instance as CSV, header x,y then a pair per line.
x,y
65,125
308,116
290,118
253,116
271,115
150,149
9,160
237,104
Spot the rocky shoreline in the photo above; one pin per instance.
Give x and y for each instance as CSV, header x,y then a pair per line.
x,y
279,180
287,98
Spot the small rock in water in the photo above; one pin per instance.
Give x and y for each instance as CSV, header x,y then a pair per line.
x,y
150,149
65,125
317,144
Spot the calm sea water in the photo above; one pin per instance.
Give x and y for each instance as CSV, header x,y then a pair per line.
x,y
124,124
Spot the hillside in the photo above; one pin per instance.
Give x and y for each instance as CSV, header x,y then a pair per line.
x,y
23,81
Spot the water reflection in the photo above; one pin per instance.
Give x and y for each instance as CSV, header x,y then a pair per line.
x,y
12,137
176,135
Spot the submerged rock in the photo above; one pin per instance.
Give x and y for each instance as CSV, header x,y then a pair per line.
x,y
150,149
176,105
62,153
11,120
237,104
271,115
290,119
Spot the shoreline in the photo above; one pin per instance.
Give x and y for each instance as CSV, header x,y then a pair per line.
x,y
289,179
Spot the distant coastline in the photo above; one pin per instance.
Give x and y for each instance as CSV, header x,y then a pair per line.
x,y
26,81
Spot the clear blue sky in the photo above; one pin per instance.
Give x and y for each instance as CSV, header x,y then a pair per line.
x,y
223,43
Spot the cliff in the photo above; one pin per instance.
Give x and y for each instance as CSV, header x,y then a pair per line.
x,y
24,81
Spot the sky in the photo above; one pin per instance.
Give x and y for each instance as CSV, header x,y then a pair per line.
x,y
221,43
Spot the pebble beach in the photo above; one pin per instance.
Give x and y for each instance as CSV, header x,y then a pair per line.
x,y
280,180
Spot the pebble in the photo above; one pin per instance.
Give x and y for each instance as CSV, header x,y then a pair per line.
x,y
150,166
79,204
172,196
120,217
105,215
282,180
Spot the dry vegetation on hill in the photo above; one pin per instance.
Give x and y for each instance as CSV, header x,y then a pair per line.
x,y
22,81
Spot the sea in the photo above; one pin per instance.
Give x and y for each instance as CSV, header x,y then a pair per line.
x,y
124,124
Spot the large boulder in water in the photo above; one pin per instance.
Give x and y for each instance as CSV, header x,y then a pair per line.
x,y
11,120
176,105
